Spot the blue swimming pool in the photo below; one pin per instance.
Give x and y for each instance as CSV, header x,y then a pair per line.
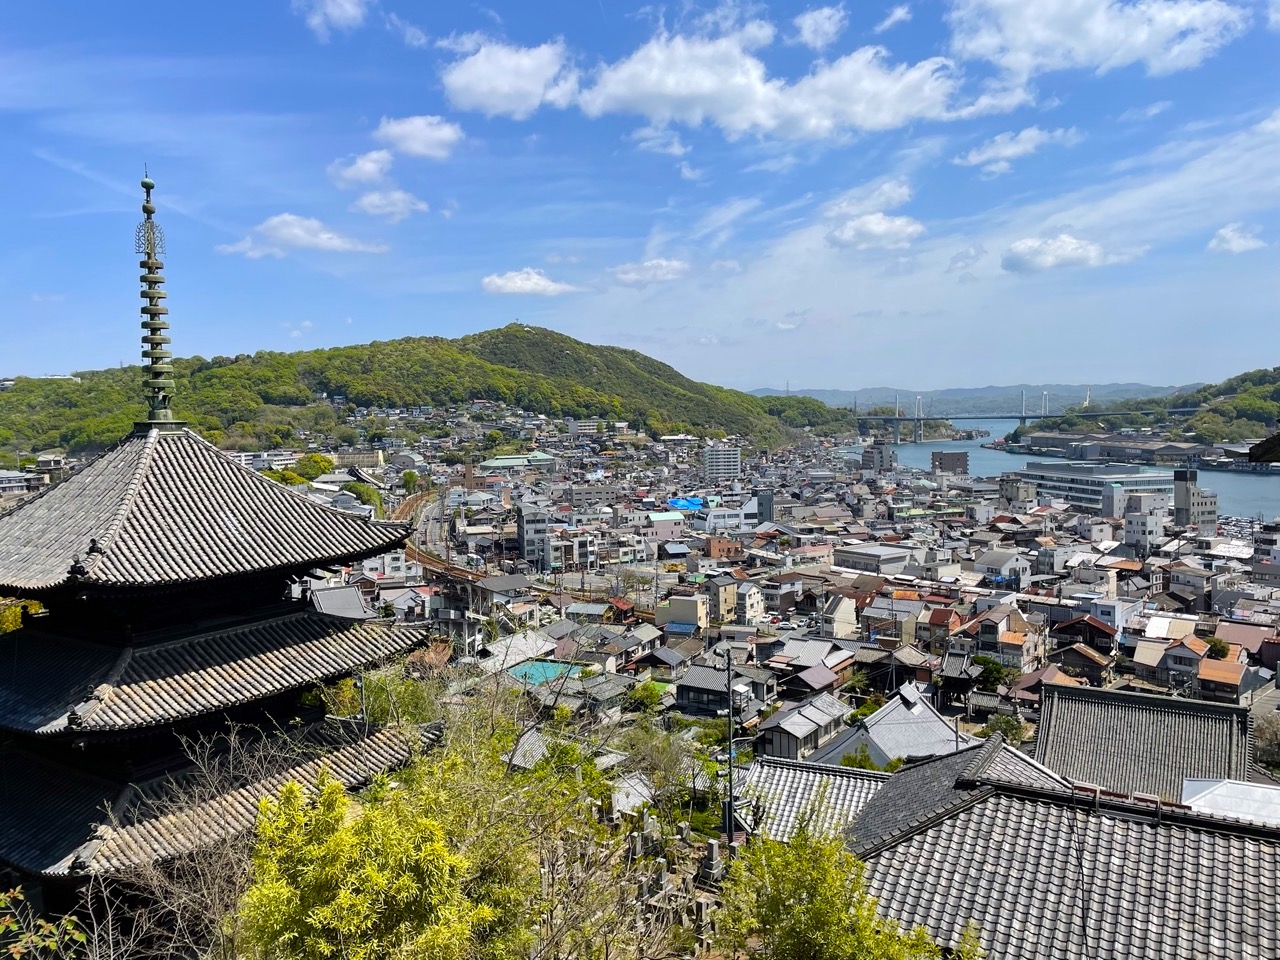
x,y
534,672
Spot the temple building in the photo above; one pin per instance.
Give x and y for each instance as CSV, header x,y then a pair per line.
x,y
174,587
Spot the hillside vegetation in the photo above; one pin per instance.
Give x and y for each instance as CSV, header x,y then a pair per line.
x,y
260,400
1245,407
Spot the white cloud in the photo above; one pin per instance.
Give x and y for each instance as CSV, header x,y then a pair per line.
x,y
462,43
728,266
423,136
875,231
275,236
324,16
818,29
871,197
502,80
367,168
1026,38
411,35
996,154
1236,238
657,270
1033,254
562,258
696,79
527,281
48,297
1273,15
1138,114
659,140
393,204
899,14
688,172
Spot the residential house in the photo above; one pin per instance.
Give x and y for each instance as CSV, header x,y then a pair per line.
x,y
1005,567
722,595
1082,660
907,727
797,730
749,604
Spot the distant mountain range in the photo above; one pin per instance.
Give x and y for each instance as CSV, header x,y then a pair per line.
x,y
958,402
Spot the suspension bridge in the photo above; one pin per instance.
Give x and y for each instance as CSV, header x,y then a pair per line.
x,y
924,411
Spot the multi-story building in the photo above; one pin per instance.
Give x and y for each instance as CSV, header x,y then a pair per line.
x,y
1096,488
949,461
1193,506
749,608
532,534
721,462
879,455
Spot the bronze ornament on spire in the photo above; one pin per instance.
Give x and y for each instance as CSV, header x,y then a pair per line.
x,y
149,241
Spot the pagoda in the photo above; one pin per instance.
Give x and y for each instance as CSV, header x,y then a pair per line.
x,y
171,579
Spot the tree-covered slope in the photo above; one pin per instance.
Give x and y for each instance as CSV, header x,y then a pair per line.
x,y
1244,407
260,400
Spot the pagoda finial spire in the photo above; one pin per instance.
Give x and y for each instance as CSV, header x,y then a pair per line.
x,y
149,241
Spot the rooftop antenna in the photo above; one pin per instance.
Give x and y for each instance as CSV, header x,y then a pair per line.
x,y
149,242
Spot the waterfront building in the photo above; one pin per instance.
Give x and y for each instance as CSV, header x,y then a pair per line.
x,y
1101,489
1193,506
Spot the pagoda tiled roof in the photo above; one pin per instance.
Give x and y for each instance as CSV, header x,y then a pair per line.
x,y
57,821
166,507
53,684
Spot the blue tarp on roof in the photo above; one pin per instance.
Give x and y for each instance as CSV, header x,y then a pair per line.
x,y
686,503
681,629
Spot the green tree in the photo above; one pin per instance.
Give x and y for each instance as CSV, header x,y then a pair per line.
x,y
366,494
861,760
1218,648
371,883
312,465
994,673
492,439
24,934
1266,738
410,480
1012,729
644,697
807,899
287,477
11,613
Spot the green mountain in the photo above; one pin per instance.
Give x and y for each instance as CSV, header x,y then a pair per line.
x,y
260,400
1245,407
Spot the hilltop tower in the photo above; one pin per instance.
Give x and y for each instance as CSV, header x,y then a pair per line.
x,y
168,574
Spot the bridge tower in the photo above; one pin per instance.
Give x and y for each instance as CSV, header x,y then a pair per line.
x,y
919,423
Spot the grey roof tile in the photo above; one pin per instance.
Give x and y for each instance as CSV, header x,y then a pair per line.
x,y
1048,878
54,684
1138,743
168,508
786,790
54,820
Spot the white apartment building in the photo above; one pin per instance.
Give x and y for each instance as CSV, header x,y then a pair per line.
x,y
1101,489
721,463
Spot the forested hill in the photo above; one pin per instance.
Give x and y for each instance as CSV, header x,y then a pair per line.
x,y
1244,407
259,400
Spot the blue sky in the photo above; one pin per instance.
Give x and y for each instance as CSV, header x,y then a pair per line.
x,y
925,193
